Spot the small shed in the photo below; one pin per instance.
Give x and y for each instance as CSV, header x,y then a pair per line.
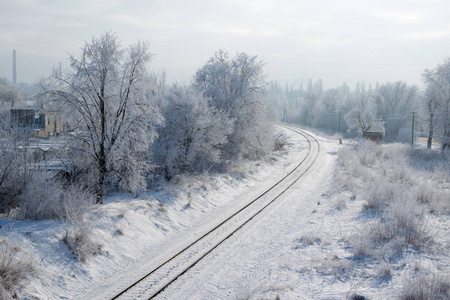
x,y
373,136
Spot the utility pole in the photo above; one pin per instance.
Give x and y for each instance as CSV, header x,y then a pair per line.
x,y
412,130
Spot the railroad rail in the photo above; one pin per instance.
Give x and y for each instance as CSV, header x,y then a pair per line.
x,y
161,276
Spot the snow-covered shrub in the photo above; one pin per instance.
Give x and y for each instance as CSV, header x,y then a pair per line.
x,y
15,264
361,244
367,152
348,183
426,287
384,178
384,269
358,160
431,188
79,239
280,142
379,193
39,198
74,201
401,173
357,170
345,156
15,161
238,168
428,195
402,220
334,266
45,198
429,160
441,203
422,193
441,173
309,237
373,199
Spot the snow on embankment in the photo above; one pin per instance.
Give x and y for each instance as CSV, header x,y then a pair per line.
x,y
126,230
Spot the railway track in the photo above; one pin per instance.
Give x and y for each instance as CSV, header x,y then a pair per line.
x,y
162,275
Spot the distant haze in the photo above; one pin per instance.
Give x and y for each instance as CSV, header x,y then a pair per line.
x,y
337,41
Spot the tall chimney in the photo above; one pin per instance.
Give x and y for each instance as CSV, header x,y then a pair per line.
x,y
60,70
14,68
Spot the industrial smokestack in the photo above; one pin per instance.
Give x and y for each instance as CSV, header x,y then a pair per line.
x,y
14,68
60,70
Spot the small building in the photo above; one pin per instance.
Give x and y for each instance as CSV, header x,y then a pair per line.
x,y
44,124
373,136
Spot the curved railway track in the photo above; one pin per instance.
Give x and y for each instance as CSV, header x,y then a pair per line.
x,y
161,276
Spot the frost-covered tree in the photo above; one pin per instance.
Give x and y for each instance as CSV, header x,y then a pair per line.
x,y
16,158
9,94
193,133
236,86
362,115
108,94
394,101
431,105
331,100
276,101
439,77
329,110
311,100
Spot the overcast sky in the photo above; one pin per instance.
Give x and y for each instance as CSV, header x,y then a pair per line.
x,y
337,41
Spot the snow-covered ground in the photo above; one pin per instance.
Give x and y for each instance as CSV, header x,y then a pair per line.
x,y
302,247
131,230
256,261
306,245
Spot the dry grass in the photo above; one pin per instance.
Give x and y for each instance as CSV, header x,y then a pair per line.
x,y
426,287
15,265
384,269
309,238
399,187
78,238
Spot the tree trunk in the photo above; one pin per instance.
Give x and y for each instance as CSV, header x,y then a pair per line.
x,y
431,132
167,175
100,180
446,137
101,155
445,142
430,140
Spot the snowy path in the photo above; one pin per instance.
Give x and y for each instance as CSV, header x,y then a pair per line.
x,y
237,265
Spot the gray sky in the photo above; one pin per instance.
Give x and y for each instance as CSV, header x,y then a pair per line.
x,y
338,41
